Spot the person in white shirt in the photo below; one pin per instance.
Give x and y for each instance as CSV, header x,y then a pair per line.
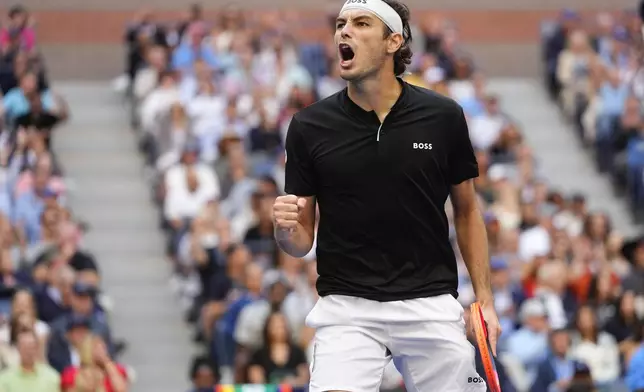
x,y
486,129
184,203
159,102
597,349
147,79
189,186
192,82
207,111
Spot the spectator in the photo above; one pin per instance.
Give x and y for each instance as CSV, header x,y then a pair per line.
x,y
613,94
203,374
64,351
556,372
597,349
22,303
19,29
573,73
83,305
96,369
53,298
30,374
635,364
279,361
529,344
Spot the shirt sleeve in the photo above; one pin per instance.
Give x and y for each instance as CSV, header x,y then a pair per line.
x,y
462,161
300,176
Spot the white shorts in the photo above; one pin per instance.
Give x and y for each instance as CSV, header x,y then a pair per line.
x,y
356,338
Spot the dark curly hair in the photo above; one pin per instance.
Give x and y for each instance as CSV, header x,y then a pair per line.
x,y
402,58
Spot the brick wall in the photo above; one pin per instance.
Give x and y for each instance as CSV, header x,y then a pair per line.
x,y
82,38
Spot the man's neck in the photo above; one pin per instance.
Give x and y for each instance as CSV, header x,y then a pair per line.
x,y
378,94
29,367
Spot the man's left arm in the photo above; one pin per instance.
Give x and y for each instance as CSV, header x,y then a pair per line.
x,y
472,238
472,241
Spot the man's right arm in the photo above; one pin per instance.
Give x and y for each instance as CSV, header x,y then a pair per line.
x,y
294,214
297,241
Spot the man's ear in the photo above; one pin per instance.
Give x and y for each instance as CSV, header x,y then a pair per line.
x,y
395,42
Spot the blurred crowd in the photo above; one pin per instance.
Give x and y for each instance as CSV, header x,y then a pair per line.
x,y
211,102
54,319
594,72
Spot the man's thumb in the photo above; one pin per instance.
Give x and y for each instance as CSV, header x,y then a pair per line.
x,y
301,203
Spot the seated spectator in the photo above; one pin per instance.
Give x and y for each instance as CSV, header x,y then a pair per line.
x,y
23,303
582,379
95,371
20,26
159,101
192,48
613,94
18,101
30,206
193,80
552,289
30,374
64,351
506,294
529,343
279,361
573,73
486,129
54,297
597,349
207,111
83,304
147,78
251,320
9,353
624,322
556,372
635,362
224,343
203,374
223,288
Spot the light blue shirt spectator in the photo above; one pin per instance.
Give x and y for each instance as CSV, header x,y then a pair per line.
x,y
635,370
28,209
613,98
530,348
16,103
185,56
564,370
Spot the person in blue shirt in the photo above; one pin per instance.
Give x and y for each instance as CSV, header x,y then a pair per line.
x,y
30,206
555,373
613,94
225,345
194,47
529,344
635,367
18,100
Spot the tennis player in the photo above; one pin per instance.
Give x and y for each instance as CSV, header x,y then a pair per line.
x,y
380,158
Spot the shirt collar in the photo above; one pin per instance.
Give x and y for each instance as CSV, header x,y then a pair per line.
x,y
370,116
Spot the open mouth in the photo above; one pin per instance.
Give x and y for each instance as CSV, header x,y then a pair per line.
x,y
346,54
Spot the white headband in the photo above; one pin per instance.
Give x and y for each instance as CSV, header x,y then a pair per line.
x,y
379,8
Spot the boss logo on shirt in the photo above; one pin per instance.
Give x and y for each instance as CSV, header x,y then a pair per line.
x,y
422,146
475,380
356,2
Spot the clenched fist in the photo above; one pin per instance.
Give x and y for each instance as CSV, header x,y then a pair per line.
x,y
287,211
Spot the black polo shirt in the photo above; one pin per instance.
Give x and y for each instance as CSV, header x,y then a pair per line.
x,y
381,189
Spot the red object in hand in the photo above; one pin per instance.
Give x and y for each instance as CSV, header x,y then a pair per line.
x,y
480,332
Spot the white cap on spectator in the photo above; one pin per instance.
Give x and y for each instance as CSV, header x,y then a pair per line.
x,y
532,308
